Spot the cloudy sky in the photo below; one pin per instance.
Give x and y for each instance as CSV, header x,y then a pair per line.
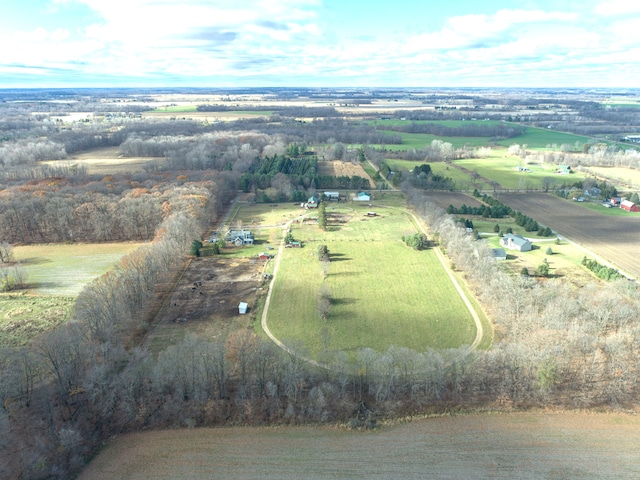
x,y
226,43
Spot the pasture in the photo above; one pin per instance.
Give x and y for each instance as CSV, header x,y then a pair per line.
x,y
55,275
25,317
64,269
369,306
534,138
516,445
503,169
107,161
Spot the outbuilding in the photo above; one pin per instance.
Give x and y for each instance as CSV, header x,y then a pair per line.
x,y
629,206
243,307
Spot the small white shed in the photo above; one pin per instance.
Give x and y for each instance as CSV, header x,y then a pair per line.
x,y
242,308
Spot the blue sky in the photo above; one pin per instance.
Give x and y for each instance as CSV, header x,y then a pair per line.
x,y
330,43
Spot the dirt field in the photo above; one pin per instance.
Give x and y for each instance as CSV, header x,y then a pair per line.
x,y
205,300
340,169
508,446
612,239
444,199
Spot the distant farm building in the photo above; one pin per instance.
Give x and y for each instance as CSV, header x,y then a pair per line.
x,y
632,138
629,206
516,242
293,245
333,196
592,192
372,214
363,197
239,237
264,256
312,202
615,201
564,169
243,307
499,253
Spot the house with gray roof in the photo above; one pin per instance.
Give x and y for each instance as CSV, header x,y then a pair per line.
x,y
516,242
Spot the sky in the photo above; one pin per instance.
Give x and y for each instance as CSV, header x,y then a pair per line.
x,y
320,43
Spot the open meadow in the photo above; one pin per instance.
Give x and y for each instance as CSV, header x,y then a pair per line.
x,y
107,161
534,138
55,273
504,169
369,307
518,445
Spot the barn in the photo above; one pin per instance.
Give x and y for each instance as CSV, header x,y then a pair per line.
x,y
629,206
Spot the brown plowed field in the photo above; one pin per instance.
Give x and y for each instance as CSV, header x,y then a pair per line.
x,y
337,168
505,446
614,239
457,199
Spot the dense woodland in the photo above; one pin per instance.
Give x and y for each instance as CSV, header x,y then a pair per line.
x,y
69,391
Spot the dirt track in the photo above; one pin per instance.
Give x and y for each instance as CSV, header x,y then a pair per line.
x,y
506,446
614,239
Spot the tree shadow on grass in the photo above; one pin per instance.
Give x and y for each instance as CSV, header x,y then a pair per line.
x,y
338,257
343,301
34,261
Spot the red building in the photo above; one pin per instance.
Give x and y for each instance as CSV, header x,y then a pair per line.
x,y
629,206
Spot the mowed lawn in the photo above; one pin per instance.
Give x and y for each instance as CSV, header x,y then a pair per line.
x,y
383,293
64,269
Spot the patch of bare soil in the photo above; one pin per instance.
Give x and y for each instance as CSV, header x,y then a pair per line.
x,y
613,239
206,298
338,168
519,445
457,199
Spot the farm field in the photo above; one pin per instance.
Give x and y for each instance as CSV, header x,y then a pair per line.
x,y
457,199
24,317
518,445
611,238
534,138
55,275
64,269
543,138
105,161
503,169
339,169
620,176
369,307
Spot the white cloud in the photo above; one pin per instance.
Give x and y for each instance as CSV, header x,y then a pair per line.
x,y
617,7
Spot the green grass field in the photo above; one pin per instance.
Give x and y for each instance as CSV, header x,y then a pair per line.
x,y
55,275
64,269
503,169
24,317
177,109
542,138
370,307
534,138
